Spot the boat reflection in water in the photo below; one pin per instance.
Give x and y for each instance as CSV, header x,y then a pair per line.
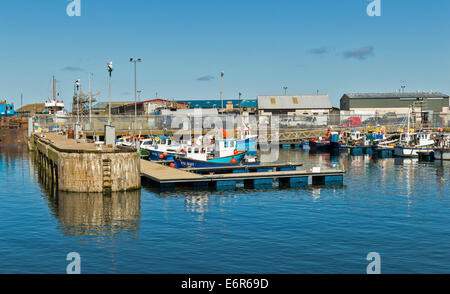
x,y
98,214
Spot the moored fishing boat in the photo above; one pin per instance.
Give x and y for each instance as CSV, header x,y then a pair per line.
x,y
410,143
126,141
224,153
329,144
232,160
163,148
144,144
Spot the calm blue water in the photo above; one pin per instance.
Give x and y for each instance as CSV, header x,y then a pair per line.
x,y
398,208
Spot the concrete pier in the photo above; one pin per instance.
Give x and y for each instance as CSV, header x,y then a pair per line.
x,y
78,166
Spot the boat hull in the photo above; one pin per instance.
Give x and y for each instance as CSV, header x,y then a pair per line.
x,y
155,155
323,146
409,151
184,162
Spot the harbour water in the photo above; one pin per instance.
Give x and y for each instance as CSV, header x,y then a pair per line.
x,y
399,208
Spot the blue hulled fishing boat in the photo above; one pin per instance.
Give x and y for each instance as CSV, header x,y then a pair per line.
x,y
224,153
232,160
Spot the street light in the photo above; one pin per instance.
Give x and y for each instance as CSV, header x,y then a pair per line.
x,y
221,89
285,90
110,69
240,94
135,86
77,85
90,98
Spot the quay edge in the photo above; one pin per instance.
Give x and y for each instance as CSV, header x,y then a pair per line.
x,y
86,170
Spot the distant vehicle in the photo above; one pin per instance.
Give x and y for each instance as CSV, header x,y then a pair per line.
x,y
286,122
389,118
309,121
354,121
390,115
372,121
401,120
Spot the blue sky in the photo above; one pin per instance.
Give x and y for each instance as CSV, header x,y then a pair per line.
x,y
328,45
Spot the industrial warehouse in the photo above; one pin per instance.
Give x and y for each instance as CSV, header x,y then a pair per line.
x,y
398,102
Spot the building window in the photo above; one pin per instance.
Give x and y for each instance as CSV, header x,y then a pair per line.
x,y
273,101
295,100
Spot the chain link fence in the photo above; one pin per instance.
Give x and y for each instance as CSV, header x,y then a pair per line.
x,y
173,123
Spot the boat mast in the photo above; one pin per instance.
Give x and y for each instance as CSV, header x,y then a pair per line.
x,y
54,89
409,117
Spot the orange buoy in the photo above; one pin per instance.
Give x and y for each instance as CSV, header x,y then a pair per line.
x,y
165,154
235,152
161,156
233,160
172,165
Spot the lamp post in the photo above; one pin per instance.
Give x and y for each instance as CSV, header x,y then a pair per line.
x,y
77,85
135,87
285,90
110,69
240,94
90,99
221,89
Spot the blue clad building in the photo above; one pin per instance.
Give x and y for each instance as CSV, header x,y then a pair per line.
x,y
249,105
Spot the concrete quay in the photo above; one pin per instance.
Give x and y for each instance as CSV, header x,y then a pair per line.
x,y
79,166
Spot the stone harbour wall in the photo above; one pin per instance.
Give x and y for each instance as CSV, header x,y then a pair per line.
x,y
88,171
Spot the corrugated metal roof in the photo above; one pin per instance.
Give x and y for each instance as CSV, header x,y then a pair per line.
x,y
212,103
156,101
207,111
103,105
396,95
294,102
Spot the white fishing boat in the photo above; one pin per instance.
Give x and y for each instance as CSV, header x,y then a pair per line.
x,y
146,143
386,144
410,143
164,148
126,141
355,137
55,107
